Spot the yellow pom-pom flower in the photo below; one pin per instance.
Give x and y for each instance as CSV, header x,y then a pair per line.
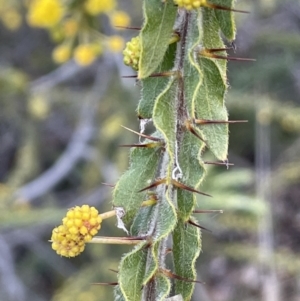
x,y
132,53
45,13
115,43
61,53
85,54
78,227
119,18
190,4
64,243
95,7
82,222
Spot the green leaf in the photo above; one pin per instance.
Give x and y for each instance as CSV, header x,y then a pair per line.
x,y
186,249
152,263
156,34
153,86
142,170
164,119
226,18
193,172
166,216
192,72
131,272
142,220
210,105
118,296
211,38
163,287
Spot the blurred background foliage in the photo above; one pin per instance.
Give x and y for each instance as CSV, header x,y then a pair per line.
x,y
59,136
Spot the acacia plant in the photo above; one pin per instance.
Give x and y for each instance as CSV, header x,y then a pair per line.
x,y
181,62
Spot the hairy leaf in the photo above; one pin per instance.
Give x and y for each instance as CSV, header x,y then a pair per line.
x,y
186,249
131,271
192,72
193,173
152,263
163,287
142,170
164,119
226,19
142,220
155,34
153,86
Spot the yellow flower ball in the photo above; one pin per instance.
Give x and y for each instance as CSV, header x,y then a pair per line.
x,y
119,18
82,222
190,4
79,226
86,54
61,53
95,7
64,244
115,43
132,53
45,13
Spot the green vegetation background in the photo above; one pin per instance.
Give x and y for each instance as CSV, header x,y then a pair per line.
x,y
59,136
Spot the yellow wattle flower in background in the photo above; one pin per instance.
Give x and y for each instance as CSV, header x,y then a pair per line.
x,y
95,7
45,13
119,18
85,54
115,43
61,53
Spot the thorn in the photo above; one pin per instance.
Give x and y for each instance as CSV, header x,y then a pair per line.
x,y
154,184
211,50
142,135
206,121
198,226
145,145
128,27
114,271
135,238
209,54
218,163
174,276
168,251
215,6
185,187
105,283
207,211
109,185
161,74
129,76
192,130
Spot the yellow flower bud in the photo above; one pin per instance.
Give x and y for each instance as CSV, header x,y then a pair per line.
x,y
132,53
